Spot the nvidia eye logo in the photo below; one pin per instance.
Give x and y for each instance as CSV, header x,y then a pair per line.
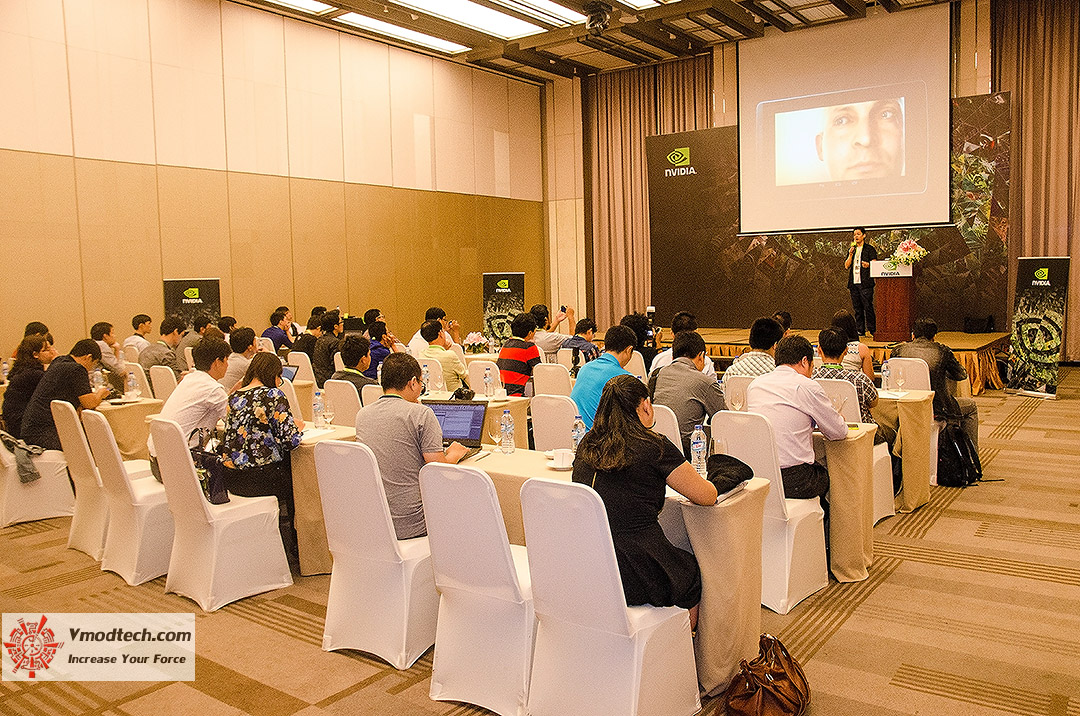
x,y
192,293
679,157
1042,274
505,283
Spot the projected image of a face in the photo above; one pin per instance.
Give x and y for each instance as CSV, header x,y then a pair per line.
x,y
863,140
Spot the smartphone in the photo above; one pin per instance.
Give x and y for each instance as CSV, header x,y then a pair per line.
x,y
562,308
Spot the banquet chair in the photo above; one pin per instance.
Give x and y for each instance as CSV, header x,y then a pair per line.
x,y
139,537
163,380
220,553
838,389
346,401
294,402
140,379
265,344
476,375
456,347
302,362
370,393
131,354
594,654
339,363
48,496
553,421
793,532
735,390
913,371
667,424
382,590
636,366
486,626
551,379
565,358
435,373
189,358
91,516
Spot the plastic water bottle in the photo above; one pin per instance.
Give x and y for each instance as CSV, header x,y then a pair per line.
x,y
317,409
885,371
489,382
506,424
133,390
698,448
97,379
578,431
425,378
3,372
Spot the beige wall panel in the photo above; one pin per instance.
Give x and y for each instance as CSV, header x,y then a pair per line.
x,y
313,96
566,160
194,208
121,247
376,218
411,106
526,163
320,273
454,170
189,109
253,44
451,233
34,82
365,111
452,90
39,233
502,163
260,237
484,160
490,101
510,233
567,268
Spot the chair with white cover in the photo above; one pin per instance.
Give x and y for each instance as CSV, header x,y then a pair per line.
x,y
843,392
484,638
339,362
793,531
435,373
456,347
265,344
667,424
476,375
370,393
346,401
551,379
565,357
139,538
302,362
220,553
595,655
636,366
140,378
163,380
290,394
553,421
48,496
735,390
382,590
189,357
131,354
914,372
91,516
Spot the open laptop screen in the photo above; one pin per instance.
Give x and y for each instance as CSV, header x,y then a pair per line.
x,y
460,420
288,372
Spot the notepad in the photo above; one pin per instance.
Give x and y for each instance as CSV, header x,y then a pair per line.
x,y
892,393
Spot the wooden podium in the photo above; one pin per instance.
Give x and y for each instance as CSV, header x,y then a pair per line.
x,y
894,300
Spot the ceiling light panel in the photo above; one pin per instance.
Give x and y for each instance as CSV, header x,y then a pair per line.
x,y
312,6
401,33
638,4
477,17
544,10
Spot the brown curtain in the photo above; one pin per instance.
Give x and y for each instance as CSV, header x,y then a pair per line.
x,y
621,109
1036,57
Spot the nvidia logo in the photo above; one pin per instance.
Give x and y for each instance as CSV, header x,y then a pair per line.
x,y
1042,274
191,293
679,157
504,283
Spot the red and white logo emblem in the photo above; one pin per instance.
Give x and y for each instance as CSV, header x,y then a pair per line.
x,y
32,646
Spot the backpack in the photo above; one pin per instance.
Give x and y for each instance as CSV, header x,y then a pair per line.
x,y
958,461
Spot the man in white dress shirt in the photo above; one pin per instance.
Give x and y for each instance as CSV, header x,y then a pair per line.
x,y
143,326
417,344
793,403
683,321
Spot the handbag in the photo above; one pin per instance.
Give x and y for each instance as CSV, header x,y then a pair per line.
x,y
209,468
958,460
773,684
726,472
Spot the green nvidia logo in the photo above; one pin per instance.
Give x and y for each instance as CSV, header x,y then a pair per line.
x,y
505,283
1042,274
679,157
192,293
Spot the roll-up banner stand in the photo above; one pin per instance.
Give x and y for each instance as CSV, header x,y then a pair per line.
x,y
191,297
504,298
1038,327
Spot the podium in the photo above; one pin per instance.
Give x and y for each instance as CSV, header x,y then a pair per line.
x,y
894,300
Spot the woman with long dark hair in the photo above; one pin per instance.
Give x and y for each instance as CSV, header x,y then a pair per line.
x,y
630,466
34,353
857,357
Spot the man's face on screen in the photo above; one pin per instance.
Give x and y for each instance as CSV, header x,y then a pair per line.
x,y
863,140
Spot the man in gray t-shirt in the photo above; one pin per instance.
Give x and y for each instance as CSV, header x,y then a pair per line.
x,y
404,435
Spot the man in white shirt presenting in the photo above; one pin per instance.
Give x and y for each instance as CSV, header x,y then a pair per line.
x,y
794,403
860,285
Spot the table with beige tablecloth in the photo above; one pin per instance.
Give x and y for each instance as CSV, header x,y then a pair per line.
x,y
305,395
912,417
470,357
130,425
519,410
851,502
308,515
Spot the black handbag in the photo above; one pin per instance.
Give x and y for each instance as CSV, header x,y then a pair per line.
x,y
727,472
209,468
958,460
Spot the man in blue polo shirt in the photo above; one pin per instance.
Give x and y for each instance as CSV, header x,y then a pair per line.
x,y
619,344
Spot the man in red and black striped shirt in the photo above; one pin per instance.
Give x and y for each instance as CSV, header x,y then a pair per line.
x,y
519,355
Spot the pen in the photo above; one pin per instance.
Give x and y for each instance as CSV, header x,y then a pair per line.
x,y
481,456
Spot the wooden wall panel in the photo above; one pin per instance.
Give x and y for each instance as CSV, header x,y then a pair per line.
x,y
320,271
365,111
376,218
260,234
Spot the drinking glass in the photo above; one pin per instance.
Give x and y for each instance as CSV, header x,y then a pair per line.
x,y
838,402
327,412
737,399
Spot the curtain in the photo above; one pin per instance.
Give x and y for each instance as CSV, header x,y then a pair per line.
x,y
1036,57
621,109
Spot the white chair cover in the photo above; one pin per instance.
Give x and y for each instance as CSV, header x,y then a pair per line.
x,y
164,381
845,390
265,344
476,375
551,379
793,532
140,378
189,358
346,401
220,553
294,402
382,590
484,639
48,496
565,357
735,389
595,655
636,366
303,364
139,538
435,373
369,394
91,517
884,495
667,424
339,363
131,354
914,371
552,421
459,350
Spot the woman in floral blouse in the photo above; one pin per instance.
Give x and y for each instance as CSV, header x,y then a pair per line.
x,y
259,434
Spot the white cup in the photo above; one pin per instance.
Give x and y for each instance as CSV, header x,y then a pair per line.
x,y
564,458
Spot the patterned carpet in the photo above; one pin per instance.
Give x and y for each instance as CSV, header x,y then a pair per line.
x,y
972,607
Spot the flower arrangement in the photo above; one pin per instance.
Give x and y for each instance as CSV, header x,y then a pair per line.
x,y
475,342
909,253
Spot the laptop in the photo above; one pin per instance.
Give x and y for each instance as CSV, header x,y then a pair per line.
x,y
352,324
288,372
461,421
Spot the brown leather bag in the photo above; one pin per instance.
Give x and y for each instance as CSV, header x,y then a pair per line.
x,y
773,684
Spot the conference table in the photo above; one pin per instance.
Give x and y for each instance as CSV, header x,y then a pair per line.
x,y
519,410
851,501
470,357
130,425
911,414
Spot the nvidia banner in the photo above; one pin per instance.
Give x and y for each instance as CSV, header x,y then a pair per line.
x,y
504,298
1038,325
190,297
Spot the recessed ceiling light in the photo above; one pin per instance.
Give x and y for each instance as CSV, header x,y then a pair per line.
x,y
544,10
313,6
401,33
638,4
478,17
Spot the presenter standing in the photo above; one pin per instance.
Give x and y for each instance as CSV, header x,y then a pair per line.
x,y
860,285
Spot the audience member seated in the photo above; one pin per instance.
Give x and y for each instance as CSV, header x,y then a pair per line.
x,y
226,324
163,352
647,347
764,335
631,466
784,319
374,315
833,343
581,343
68,378
453,368
546,339
404,435
112,353
278,331
199,400
519,355
200,325
684,387
618,349
260,432
326,345
305,342
33,328
417,344
683,321
370,316
32,357
143,325
292,328
383,344
793,402
857,355
244,347
943,367
356,355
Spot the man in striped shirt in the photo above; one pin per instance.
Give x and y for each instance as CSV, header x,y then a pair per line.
x,y
519,355
764,335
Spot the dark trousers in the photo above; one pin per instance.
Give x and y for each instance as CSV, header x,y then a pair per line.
x,y
862,300
806,481
273,479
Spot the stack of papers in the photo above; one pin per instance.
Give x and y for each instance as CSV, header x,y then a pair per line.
x,y
892,393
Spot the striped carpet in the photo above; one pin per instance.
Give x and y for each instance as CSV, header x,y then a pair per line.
x,y
972,607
